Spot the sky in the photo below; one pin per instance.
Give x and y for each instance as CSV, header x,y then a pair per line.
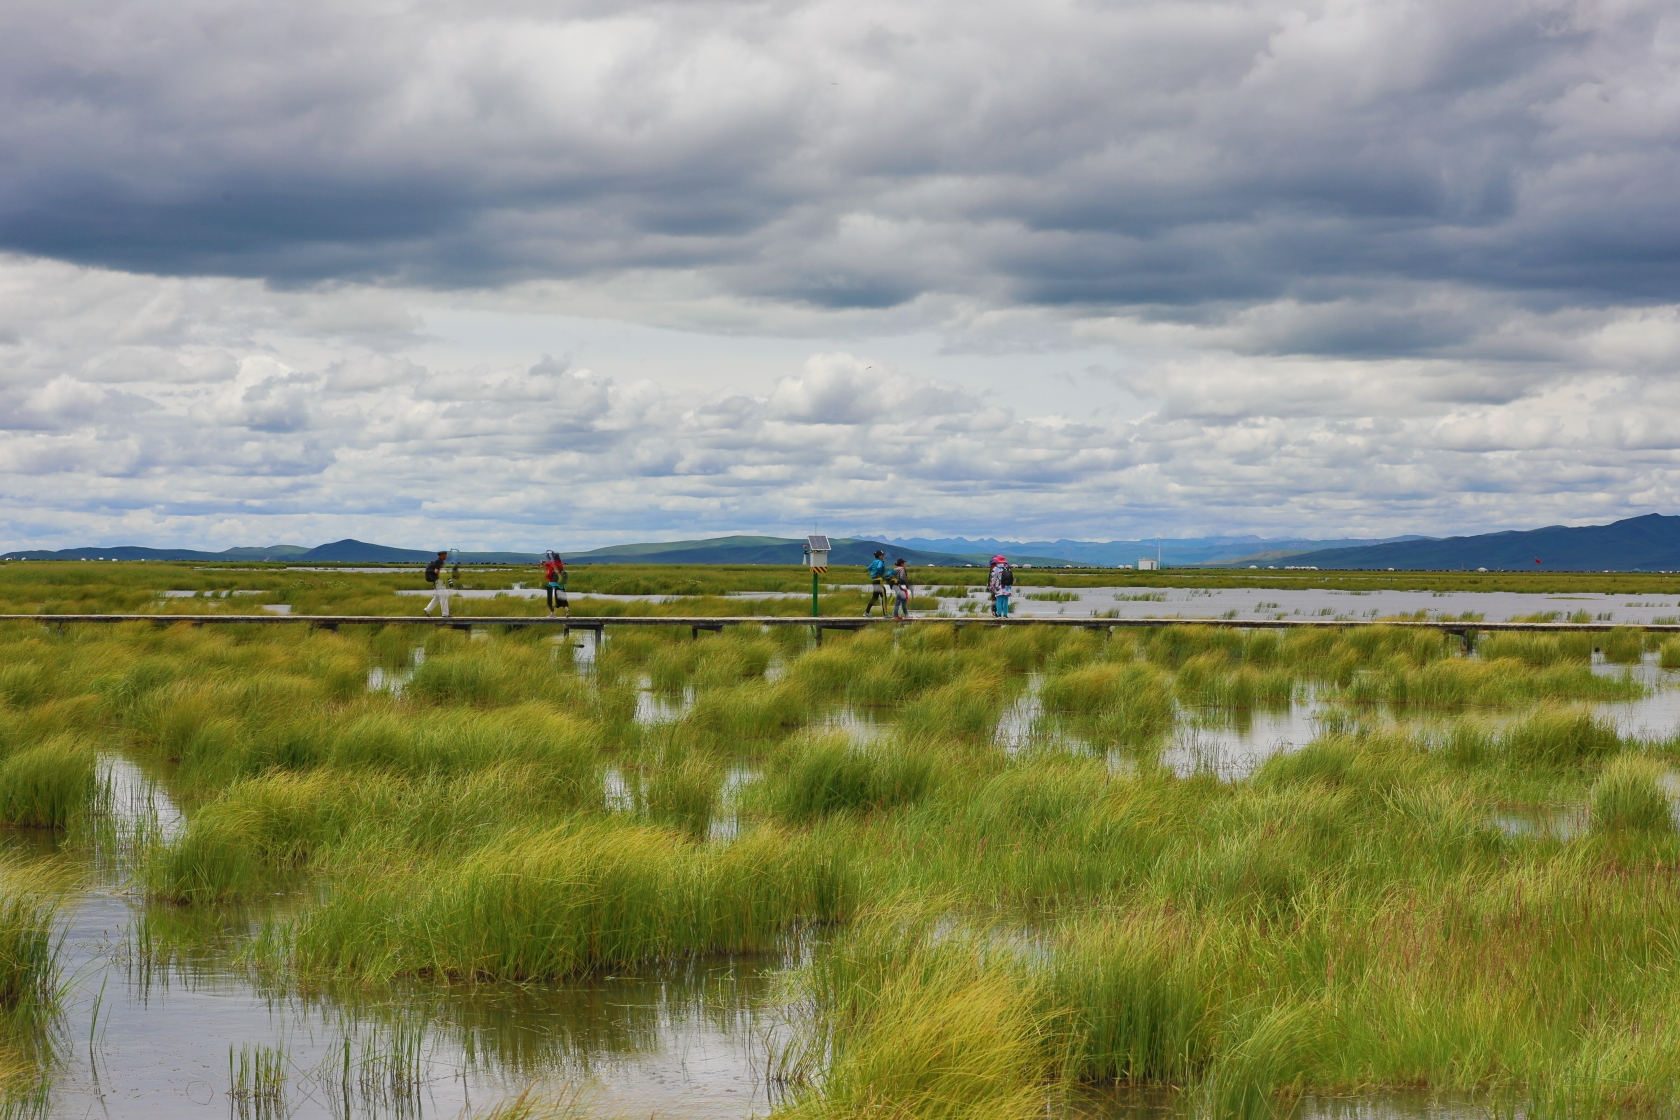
x,y
566,274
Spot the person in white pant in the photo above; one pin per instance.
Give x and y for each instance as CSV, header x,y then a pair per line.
x,y
440,585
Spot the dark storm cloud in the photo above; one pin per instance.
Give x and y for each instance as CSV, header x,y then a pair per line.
x,y
1193,158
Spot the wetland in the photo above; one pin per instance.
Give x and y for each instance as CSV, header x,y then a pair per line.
x,y
402,871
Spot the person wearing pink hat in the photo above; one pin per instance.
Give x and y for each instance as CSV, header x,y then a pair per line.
x,y
1000,584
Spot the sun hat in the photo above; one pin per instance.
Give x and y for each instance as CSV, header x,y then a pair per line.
x,y
999,560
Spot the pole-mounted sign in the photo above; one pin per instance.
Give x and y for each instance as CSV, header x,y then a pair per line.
x,y
816,555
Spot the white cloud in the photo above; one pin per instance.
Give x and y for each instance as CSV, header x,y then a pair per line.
x,y
1345,266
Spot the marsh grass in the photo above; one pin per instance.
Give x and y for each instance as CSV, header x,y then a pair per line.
x,y
31,982
1629,796
1536,650
831,774
572,900
1623,646
257,1073
1351,916
913,1027
683,794
51,785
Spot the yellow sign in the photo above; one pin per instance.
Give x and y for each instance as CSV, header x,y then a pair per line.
x,y
820,568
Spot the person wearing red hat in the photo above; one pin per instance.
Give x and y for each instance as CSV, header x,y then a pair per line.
x,y
1000,584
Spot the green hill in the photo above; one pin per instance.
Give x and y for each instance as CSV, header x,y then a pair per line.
x,y
1639,544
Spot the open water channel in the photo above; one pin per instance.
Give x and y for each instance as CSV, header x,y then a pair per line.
x,y
145,1037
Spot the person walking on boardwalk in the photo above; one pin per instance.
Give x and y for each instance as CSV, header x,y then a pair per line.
x,y
440,584
1000,584
901,589
554,580
877,573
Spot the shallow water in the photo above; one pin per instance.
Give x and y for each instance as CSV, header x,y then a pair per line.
x,y
1233,745
150,1034
1255,603
654,708
679,1043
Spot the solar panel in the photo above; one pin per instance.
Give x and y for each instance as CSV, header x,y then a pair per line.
x,y
817,544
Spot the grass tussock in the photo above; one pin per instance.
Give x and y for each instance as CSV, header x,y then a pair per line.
x,y
831,774
50,785
918,1028
573,900
1629,795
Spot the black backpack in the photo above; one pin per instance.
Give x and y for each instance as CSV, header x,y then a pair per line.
x,y
433,570
1008,576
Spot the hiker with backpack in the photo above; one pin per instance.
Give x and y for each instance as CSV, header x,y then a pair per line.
x,y
877,573
554,581
440,584
901,589
1000,584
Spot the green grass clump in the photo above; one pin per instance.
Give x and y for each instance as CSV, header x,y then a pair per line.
x,y
1140,1011
30,900
1537,650
830,774
50,785
1559,737
1629,796
571,900
1623,646
923,1030
683,793
1478,683
1125,702
968,706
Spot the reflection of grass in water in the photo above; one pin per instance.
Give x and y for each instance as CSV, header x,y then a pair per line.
x,y
257,1080
31,943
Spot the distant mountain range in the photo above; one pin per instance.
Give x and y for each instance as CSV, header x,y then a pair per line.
x,y
1648,543
784,550
339,552
1639,544
717,550
1175,552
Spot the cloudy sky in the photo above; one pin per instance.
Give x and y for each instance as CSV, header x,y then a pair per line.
x,y
568,273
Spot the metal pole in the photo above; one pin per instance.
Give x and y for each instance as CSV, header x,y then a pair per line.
x,y
813,593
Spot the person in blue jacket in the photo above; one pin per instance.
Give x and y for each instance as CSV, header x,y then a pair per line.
x,y
877,583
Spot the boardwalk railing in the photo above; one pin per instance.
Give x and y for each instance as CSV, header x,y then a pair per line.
x,y
697,623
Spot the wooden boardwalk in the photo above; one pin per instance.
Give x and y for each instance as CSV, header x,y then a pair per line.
x,y
697,623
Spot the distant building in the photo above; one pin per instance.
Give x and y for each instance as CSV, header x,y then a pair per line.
x,y
1148,565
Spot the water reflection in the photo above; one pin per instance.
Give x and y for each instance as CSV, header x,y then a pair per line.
x,y
655,708
1233,744
678,1041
